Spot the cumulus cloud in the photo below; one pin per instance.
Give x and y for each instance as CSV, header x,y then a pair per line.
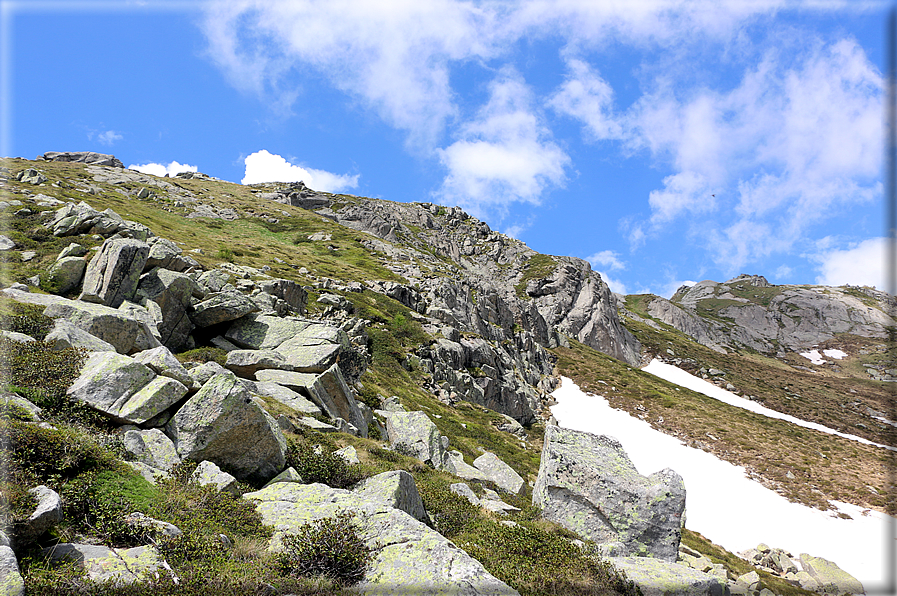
x,y
158,169
587,97
263,166
606,258
504,155
861,264
615,285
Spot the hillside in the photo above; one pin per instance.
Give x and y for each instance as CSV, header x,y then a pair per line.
x,y
421,308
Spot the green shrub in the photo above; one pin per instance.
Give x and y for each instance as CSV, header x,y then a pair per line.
x,y
452,513
204,354
330,547
226,254
324,467
25,318
42,375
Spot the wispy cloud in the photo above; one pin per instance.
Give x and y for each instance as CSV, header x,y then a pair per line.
x,y
158,169
263,166
109,137
606,258
503,155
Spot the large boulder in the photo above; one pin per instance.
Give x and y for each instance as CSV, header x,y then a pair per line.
x,y
260,332
396,489
208,474
88,157
656,577
164,363
107,382
587,484
112,275
11,581
66,335
221,423
415,434
289,291
117,566
65,274
167,255
407,556
220,308
111,325
300,356
245,363
830,578
282,394
45,516
172,293
151,447
499,472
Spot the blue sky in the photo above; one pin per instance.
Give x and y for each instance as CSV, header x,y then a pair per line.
x,y
664,141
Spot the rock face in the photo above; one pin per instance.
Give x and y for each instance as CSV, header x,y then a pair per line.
x,y
408,557
830,578
662,578
587,484
221,423
112,275
750,312
88,157
415,434
395,489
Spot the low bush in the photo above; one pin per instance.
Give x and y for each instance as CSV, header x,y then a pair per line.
x,y
330,547
324,467
204,354
24,318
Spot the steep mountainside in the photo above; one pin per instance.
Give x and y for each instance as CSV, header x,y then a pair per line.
x,y
420,307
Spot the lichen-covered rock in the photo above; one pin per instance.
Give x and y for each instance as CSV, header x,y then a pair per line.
x,y
117,566
462,469
220,308
499,472
207,473
299,356
108,380
151,447
289,291
164,363
167,255
45,516
407,556
221,423
172,293
656,577
65,274
265,332
830,578
151,400
587,484
396,489
111,325
67,335
282,394
418,436
112,275
340,401
11,581
348,453
245,363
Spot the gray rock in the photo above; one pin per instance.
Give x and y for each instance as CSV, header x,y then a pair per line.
x,y
87,157
31,176
245,363
499,472
20,338
66,335
147,316
260,332
395,489
587,484
148,523
81,218
12,399
161,361
205,371
419,436
286,396
113,565
72,250
221,423
45,516
212,281
657,577
315,424
207,473
112,275
172,293
65,274
340,402
288,475
308,358
167,255
406,554
461,469
220,308
349,454
6,243
108,380
151,447
149,473
462,489
830,578
493,502
11,581
151,400
289,291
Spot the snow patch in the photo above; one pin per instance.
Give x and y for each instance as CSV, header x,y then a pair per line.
x,y
836,354
814,356
676,375
726,506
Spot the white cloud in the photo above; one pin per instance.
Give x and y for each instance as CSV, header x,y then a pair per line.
x,y
606,258
783,272
504,155
589,98
615,285
861,264
158,169
263,166
109,137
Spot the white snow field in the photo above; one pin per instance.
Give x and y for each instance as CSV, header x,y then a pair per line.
x,y
676,375
729,508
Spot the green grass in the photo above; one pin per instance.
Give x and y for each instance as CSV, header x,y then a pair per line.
x,y
537,267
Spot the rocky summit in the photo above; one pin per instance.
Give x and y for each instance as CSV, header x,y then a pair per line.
x,y
265,389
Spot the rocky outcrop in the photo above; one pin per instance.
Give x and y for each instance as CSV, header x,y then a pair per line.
x,y
221,423
656,577
830,578
117,566
87,157
413,433
587,484
499,472
395,489
407,556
